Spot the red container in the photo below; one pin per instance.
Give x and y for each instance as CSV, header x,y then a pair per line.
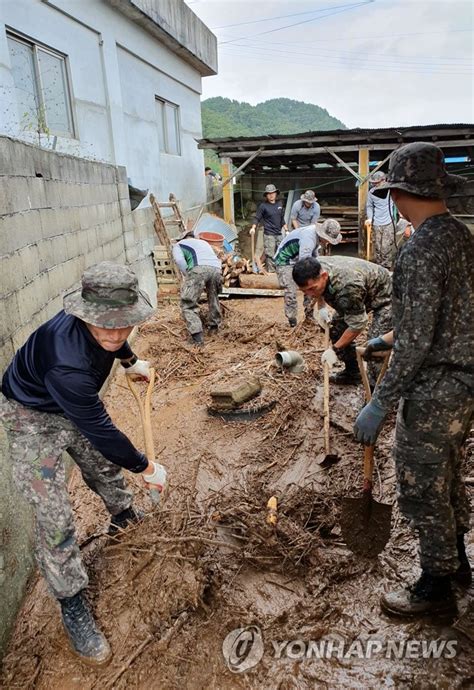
x,y
215,239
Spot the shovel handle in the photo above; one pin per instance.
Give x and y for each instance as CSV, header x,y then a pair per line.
x,y
326,394
368,468
385,355
145,417
145,413
252,244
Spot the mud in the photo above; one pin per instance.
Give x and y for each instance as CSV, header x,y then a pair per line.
x,y
168,591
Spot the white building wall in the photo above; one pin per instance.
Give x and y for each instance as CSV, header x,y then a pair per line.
x,y
117,69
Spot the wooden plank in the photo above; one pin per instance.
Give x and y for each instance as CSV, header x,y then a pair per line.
x,y
254,292
228,190
362,195
340,149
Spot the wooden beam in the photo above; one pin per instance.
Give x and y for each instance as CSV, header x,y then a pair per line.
x,y
241,167
228,190
344,164
362,197
340,149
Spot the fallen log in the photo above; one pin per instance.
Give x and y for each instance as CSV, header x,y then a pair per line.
x,y
258,281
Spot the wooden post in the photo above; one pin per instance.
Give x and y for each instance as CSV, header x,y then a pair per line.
x,y
228,190
362,198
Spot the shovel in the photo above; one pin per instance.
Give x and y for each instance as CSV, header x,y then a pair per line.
x,y
255,268
328,458
365,523
145,417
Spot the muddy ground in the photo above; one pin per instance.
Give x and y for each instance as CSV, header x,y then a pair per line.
x,y
168,591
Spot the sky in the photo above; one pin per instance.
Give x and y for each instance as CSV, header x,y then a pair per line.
x,y
370,63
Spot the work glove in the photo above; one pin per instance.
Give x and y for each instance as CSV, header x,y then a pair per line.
x,y
329,357
140,368
252,231
375,345
155,482
369,422
367,223
324,317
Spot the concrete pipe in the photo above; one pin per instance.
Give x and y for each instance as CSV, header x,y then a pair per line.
x,y
291,360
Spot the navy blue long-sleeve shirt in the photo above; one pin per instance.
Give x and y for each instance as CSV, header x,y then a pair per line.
x,y
61,369
272,216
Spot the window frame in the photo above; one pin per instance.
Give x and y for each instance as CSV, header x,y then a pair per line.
x,y
38,45
163,102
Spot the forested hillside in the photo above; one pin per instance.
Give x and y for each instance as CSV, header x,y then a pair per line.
x,y
222,117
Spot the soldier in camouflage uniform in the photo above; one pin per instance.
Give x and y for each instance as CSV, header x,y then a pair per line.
x,y
381,217
431,375
49,403
202,270
298,244
354,288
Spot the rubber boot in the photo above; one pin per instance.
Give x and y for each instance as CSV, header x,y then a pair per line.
x,y
198,339
350,376
463,575
85,638
431,595
292,322
126,517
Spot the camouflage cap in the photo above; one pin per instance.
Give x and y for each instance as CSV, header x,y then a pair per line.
x,y
377,177
109,297
270,188
419,168
308,196
329,230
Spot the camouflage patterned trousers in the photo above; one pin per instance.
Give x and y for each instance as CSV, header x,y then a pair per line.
x,y
36,443
431,492
195,281
270,245
384,245
287,284
381,323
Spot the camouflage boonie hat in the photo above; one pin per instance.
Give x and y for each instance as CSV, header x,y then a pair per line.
x,y
377,177
109,297
329,230
419,168
269,189
308,196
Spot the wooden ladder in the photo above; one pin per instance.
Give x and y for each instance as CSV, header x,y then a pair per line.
x,y
161,227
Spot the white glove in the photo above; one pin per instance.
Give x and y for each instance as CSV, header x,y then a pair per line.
x,y
324,317
156,482
329,357
140,368
252,231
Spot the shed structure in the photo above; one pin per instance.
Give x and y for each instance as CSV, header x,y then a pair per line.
x,y
337,165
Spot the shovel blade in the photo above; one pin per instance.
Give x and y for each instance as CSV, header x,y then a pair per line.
x,y
365,525
327,459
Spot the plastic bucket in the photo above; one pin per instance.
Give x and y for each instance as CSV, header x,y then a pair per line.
x,y
215,239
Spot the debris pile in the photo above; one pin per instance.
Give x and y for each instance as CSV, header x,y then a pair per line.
x,y
232,267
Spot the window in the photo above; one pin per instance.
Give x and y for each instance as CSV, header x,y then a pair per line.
x,y
168,127
41,85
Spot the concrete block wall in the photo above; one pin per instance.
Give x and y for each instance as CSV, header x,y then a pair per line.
x,y
58,215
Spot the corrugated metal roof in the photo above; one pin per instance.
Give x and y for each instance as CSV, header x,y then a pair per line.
x,y
361,132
